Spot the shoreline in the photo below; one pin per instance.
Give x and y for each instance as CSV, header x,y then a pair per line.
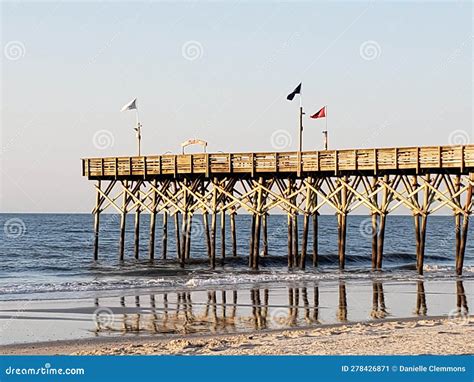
x,y
410,336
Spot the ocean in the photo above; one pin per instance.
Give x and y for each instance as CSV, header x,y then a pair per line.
x,y
50,255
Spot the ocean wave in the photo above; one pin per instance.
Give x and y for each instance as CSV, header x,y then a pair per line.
x,y
213,279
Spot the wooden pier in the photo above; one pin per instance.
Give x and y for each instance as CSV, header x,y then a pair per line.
x,y
422,179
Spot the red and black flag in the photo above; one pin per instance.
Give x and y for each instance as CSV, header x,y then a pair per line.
x,y
297,90
320,114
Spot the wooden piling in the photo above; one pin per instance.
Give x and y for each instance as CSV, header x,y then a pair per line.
x,y
223,235
465,227
381,227
233,233
184,238
424,218
97,222
265,234
304,239
137,226
375,224
315,239
184,228
315,229
165,235
290,240
151,249
295,249
189,235
290,226
417,221
375,237
252,240
457,217
177,236
381,240
258,219
123,222
462,248
213,226
205,222
343,227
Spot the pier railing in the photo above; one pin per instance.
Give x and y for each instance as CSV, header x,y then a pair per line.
x,y
335,161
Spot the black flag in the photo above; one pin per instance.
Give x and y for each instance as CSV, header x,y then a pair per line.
x,y
297,90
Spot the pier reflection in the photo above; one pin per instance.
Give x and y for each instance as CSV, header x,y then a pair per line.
x,y
379,310
231,310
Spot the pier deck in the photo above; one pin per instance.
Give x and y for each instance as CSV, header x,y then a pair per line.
x,y
361,161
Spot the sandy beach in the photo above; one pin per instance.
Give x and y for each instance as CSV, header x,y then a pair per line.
x,y
403,337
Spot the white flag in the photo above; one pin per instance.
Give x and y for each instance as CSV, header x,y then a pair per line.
x,y
130,106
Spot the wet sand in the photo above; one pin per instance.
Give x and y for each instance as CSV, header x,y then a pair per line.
x,y
404,337
430,316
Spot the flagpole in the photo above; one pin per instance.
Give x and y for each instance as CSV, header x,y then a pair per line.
x,y
325,132
139,135
301,124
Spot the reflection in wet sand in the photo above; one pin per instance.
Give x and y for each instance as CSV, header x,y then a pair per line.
x,y
421,309
342,310
230,311
379,310
461,300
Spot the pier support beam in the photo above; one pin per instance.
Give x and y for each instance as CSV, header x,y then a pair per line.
x,y
205,222
315,215
265,234
304,239
290,226
177,236
257,228
315,239
381,227
233,233
123,222
97,222
151,250
342,220
137,225
189,235
222,235
213,225
465,226
165,236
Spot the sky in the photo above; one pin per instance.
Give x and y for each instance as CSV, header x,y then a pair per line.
x,y
390,73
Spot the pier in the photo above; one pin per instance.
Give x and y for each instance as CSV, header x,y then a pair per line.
x,y
216,186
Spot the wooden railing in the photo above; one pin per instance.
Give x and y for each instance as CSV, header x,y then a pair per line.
x,y
336,161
